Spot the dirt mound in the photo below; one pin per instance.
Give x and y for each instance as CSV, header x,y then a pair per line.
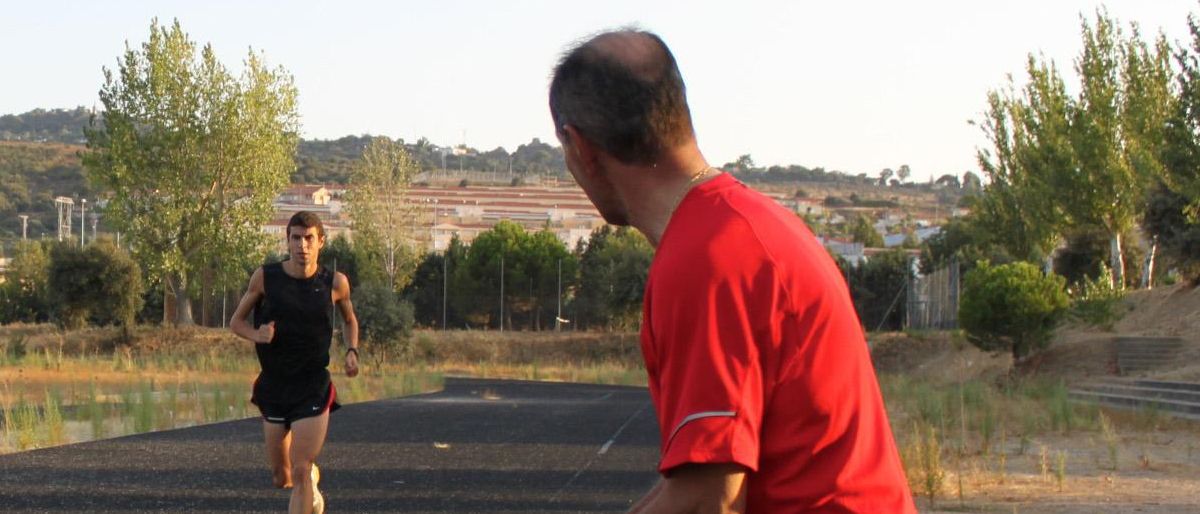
x,y
943,357
1082,352
1166,311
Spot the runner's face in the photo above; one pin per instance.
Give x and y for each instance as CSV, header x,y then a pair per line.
x,y
304,244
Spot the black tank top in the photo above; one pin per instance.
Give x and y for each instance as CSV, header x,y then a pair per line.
x,y
294,363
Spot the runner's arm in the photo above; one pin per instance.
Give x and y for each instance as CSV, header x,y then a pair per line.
x,y
341,298
240,324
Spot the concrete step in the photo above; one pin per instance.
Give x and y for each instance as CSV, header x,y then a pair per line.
x,y
1143,391
1188,410
1164,384
1148,340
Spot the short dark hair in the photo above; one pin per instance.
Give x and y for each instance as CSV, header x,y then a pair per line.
x,y
306,219
633,109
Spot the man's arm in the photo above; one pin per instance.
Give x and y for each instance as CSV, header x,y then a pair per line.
x,y
341,298
239,324
697,488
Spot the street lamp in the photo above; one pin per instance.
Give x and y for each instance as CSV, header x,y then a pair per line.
x,y
82,223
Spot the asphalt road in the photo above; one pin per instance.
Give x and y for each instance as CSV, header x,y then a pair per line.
x,y
478,446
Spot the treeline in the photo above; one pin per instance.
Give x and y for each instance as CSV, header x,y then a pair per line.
x,y
509,279
1098,182
331,161
46,126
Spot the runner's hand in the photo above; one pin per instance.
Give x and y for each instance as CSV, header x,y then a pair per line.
x,y
265,333
351,364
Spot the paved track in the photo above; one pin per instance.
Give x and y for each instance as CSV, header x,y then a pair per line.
x,y
478,446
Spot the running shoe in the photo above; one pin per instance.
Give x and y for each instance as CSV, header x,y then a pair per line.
x,y
318,499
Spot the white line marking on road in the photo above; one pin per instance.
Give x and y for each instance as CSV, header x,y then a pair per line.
x,y
603,449
613,439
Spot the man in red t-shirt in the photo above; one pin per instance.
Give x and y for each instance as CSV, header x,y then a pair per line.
x,y
758,369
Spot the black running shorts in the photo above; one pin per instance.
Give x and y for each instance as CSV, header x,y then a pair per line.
x,y
286,414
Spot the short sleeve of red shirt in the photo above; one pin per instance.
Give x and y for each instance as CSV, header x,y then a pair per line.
x,y
707,310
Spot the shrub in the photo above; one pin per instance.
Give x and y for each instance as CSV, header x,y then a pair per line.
x,y
1096,302
1012,307
384,320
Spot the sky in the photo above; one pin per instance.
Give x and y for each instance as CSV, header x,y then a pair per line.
x,y
855,86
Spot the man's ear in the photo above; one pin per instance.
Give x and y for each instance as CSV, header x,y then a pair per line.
x,y
586,153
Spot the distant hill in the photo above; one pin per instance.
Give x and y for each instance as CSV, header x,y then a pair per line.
x,y
42,126
39,159
31,175
317,160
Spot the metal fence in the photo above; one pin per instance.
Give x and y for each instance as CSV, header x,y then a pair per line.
x,y
933,299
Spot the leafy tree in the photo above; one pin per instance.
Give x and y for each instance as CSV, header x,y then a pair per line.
x,y
98,283
884,175
339,255
1117,127
26,291
1176,234
744,163
191,157
612,278
383,218
486,283
903,172
1030,148
430,286
877,287
1012,307
971,182
961,240
1181,154
383,318
863,232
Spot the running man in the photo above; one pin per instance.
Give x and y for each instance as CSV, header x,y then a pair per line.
x,y
292,329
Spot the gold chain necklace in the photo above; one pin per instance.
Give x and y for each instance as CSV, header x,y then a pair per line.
x,y
691,183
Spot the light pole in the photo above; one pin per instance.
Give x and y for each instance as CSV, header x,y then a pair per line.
x,y
558,317
24,225
445,267
501,290
82,223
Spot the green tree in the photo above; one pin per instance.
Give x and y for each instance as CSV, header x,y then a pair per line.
x,y
1123,106
98,283
612,278
491,276
1029,133
863,232
430,288
383,218
1012,307
191,158
26,291
1181,153
384,319
877,287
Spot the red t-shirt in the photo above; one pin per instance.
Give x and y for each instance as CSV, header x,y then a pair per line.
x,y
756,357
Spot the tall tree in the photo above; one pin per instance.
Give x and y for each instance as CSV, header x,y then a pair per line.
x,y
191,157
384,220
1181,156
1123,105
1018,207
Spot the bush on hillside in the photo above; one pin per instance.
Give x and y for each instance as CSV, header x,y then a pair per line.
x,y
1013,307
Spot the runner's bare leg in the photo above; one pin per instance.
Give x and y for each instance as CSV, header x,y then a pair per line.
x,y
279,441
308,437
